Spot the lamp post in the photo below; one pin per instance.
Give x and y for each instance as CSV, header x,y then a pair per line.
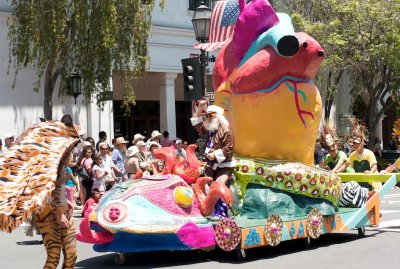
x,y
201,25
75,85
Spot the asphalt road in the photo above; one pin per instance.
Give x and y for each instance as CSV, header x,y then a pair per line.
x,y
380,248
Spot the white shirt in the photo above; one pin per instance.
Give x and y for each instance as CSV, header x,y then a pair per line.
x,y
108,163
101,182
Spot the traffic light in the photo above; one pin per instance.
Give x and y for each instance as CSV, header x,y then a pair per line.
x,y
192,88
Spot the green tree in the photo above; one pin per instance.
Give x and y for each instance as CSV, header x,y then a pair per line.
x,y
362,39
56,38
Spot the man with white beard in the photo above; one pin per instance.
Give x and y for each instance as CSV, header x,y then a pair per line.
x,y
219,150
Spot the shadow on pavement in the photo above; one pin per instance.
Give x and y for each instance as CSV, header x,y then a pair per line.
x,y
147,260
30,243
182,258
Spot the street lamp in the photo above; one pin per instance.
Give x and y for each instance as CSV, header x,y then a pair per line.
x,y
74,85
201,25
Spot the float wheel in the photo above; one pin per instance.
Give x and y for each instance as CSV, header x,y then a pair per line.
x,y
227,234
361,232
273,230
119,258
314,223
241,254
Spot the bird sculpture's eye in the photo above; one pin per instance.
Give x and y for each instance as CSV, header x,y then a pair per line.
x,y
305,45
183,196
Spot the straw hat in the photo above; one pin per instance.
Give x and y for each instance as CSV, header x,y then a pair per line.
x,y
137,138
155,134
154,143
140,143
120,140
132,151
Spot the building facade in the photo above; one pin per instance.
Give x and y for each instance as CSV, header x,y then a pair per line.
x,y
159,94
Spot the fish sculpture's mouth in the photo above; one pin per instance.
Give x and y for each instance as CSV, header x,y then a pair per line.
x,y
189,236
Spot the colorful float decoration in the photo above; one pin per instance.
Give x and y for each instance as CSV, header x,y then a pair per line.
x,y
263,78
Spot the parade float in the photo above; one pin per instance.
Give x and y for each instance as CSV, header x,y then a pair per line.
x,y
263,79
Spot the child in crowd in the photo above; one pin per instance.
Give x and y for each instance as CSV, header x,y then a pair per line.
x,y
99,173
72,183
96,195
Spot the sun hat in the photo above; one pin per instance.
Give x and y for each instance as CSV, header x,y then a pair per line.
x,y
213,109
9,136
136,138
120,140
155,134
86,144
140,143
178,141
154,143
103,144
132,151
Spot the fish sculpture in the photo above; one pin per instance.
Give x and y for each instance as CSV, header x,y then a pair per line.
x,y
152,213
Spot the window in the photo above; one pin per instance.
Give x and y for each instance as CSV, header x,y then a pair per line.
x,y
193,4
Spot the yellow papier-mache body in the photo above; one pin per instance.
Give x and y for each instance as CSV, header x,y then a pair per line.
x,y
269,125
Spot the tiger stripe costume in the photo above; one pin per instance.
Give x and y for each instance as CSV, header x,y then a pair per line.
x,y
32,177
56,238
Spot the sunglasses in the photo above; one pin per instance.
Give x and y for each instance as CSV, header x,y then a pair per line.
x,y
104,148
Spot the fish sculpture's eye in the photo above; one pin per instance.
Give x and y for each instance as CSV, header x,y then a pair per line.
x,y
183,196
114,213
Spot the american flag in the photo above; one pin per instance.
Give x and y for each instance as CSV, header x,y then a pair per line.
x,y
223,20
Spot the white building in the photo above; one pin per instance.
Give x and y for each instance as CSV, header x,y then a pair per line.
x,y
159,92
172,38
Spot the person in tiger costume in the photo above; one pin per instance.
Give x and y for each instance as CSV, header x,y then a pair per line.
x,y
56,226
33,174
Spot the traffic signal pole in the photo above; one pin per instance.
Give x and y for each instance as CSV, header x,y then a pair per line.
x,y
203,61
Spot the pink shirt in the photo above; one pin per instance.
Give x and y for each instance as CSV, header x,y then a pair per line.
x,y
87,164
166,142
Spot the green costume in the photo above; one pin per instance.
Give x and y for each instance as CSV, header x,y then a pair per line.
x,y
329,161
